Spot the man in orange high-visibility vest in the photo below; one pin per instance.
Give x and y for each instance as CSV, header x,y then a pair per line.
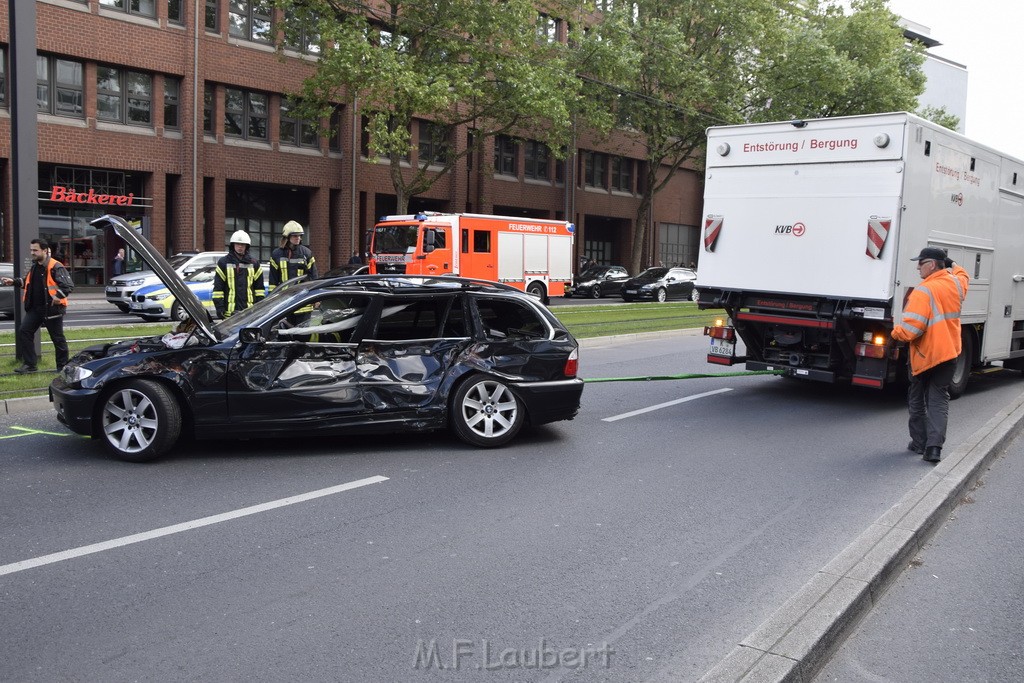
x,y
931,324
45,295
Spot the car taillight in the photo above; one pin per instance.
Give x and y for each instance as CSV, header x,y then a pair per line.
x,y
572,363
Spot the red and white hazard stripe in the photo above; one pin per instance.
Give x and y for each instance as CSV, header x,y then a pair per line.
x,y
712,229
878,232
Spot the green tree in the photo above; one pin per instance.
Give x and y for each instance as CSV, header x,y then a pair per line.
x,y
486,64
940,116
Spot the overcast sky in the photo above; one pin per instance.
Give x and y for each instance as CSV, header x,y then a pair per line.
x,y
985,36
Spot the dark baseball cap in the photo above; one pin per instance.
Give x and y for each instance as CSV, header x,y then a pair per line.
x,y
931,254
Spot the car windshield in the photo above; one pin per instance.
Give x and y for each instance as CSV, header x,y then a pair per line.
x,y
395,239
178,260
202,275
654,273
254,314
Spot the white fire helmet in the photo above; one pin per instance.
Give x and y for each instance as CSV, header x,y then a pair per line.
x,y
292,228
240,237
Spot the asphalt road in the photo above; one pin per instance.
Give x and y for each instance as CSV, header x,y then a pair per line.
x,y
639,542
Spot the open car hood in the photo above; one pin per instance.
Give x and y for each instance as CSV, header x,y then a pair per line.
x,y
163,270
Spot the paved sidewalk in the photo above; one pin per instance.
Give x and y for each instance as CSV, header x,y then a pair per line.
x,y
956,613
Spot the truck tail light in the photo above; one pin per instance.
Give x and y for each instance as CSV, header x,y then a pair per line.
x,y
572,363
720,331
875,350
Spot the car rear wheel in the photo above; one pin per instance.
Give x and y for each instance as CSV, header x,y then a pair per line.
x,y
661,295
140,420
485,412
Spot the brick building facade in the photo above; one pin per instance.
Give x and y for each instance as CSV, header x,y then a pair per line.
x,y
185,113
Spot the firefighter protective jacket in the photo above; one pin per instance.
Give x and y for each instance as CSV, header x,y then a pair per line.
x,y
237,283
931,319
58,285
286,263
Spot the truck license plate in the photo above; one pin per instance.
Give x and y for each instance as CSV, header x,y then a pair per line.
x,y
722,347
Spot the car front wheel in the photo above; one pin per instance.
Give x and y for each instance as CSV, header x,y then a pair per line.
x,y
178,312
595,293
661,295
485,412
140,420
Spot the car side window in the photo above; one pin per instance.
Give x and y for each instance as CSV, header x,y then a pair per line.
x,y
330,320
418,317
505,318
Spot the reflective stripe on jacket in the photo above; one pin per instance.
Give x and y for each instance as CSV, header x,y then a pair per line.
x,y
286,264
237,284
931,319
53,290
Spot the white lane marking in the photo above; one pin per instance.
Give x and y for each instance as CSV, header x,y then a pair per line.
x,y
664,405
184,526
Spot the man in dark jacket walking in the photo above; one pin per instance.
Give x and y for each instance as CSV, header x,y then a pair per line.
x,y
45,294
238,280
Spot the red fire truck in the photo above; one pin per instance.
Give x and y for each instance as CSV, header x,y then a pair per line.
x,y
531,254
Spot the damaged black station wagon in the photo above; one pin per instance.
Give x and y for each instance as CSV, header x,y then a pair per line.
x,y
359,354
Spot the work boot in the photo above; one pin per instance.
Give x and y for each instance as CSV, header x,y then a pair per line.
x,y
915,448
25,369
933,453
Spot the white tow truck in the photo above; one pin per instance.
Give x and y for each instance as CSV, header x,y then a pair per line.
x,y
808,233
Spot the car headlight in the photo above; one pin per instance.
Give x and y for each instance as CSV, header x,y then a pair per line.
x,y
650,286
73,374
134,283
158,297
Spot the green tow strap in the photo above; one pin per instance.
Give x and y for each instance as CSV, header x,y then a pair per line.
x,y
689,376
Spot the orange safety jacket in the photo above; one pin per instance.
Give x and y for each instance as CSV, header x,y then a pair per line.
x,y
931,319
53,290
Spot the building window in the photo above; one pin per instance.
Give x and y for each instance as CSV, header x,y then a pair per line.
x,y
334,134
296,131
212,14
174,12
622,174
595,170
300,32
143,8
3,77
172,102
124,96
245,114
505,155
208,95
250,20
536,156
59,86
434,147
548,28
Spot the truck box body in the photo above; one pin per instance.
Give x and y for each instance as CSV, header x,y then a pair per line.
x,y
534,255
810,227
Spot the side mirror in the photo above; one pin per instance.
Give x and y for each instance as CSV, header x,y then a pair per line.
x,y
428,241
251,335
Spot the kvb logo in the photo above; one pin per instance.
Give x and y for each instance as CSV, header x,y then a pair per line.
x,y
796,229
957,198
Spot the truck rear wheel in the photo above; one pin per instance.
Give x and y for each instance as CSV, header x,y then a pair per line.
x,y
962,372
536,289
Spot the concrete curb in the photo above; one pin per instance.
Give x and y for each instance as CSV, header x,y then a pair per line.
x,y
17,406
795,642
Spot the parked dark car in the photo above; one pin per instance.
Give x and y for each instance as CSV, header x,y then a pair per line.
x,y
7,294
598,281
661,284
365,353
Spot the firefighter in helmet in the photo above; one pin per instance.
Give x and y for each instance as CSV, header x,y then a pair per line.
x,y
292,258
238,281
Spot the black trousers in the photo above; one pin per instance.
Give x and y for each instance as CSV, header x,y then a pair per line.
x,y
928,400
30,324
